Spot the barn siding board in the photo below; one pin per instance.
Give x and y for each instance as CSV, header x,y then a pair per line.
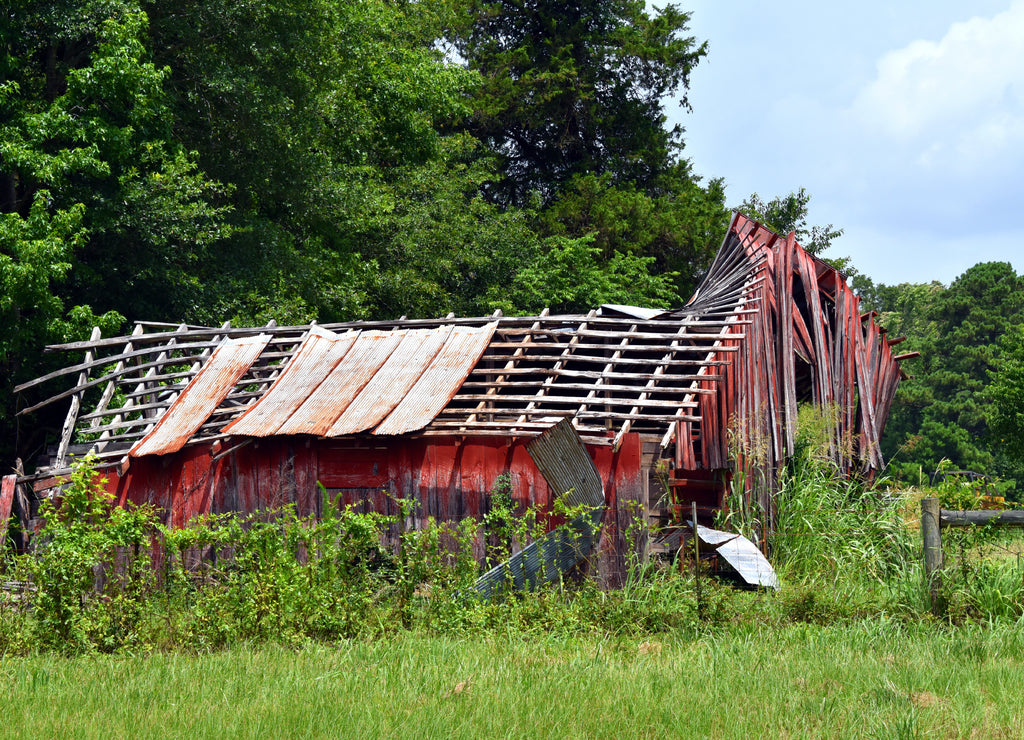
x,y
10,482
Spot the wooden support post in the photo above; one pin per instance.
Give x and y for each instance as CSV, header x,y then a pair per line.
x,y
932,548
68,432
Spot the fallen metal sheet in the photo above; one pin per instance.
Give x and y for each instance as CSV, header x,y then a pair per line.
x,y
319,353
741,554
392,381
211,385
543,561
317,414
440,381
567,467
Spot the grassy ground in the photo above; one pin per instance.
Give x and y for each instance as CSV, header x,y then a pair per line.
x,y
863,679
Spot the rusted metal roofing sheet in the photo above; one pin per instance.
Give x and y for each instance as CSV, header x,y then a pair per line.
x,y
201,396
317,414
319,353
440,381
392,381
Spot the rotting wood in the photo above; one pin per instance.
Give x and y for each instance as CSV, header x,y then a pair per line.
x,y
76,403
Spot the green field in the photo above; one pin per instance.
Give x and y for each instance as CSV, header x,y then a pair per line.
x,y
872,678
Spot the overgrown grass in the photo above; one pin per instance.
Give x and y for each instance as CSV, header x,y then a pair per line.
x,y
879,678
106,579
279,626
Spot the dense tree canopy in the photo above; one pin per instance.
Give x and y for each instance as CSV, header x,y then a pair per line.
x,y
1006,415
335,159
962,332
574,89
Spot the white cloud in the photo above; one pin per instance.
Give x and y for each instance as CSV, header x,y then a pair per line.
x,y
954,103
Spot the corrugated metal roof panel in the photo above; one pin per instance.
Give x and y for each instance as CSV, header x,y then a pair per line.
x,y
201,396
324,405
438,384
567,467
392,381
742,555
319,353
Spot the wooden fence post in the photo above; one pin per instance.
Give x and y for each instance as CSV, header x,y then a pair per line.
x,y
930,533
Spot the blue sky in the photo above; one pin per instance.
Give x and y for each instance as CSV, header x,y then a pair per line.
x,y
904,121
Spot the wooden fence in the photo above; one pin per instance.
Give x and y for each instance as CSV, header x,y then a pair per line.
x,y
934,519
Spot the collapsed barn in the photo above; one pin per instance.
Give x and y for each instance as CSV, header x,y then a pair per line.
x,y
673,406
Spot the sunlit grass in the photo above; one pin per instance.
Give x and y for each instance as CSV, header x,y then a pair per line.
x,y
870,679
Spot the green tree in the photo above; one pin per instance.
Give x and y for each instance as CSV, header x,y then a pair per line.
x,y
786,213
679,228
575,88
88,123
100,209
572,103
1006,415
327,118
943,410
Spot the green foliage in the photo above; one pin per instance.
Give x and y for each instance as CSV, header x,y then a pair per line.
x,y
784,214
572,89
830,531
571,104
566,276
1006,390
679,223
106,578
945,410
92,575
96,134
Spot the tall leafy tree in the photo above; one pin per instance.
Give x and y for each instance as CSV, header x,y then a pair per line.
x,y
102,213
576,88
678,228
572,102
1006,414
786,213
89,124
312,111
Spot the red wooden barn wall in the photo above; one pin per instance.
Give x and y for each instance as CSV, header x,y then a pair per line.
x,y
448,478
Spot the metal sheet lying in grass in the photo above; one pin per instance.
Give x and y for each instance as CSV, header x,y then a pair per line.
x,y
568,469
742,555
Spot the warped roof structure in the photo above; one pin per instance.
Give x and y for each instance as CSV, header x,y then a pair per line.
x,y
769,327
